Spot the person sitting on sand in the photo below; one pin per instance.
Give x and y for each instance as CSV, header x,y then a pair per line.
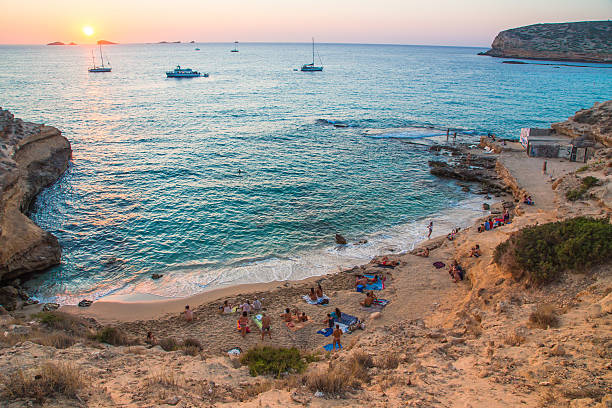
x,y
329,321
246,307
287,316
266,322
337,334
244,323
475,252
226,308
150,339
319,291
188,314
424,252
369,300
506,216
312,295
338,313
303,317
257,305
361,280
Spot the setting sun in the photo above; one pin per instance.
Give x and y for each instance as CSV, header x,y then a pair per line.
x,y
88,30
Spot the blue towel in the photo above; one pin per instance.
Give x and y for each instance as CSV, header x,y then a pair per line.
x,y
346,319
330,347
326,332
374,286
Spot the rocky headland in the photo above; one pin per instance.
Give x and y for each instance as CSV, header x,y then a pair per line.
x,y
32,157
586,41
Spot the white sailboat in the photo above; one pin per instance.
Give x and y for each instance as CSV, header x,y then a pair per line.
x,y
101,68
312,67
235,47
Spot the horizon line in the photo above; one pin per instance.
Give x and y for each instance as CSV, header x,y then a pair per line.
x,y
169,42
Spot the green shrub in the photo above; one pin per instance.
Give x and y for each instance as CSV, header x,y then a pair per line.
x,y
543,252
64,322
273,361
577,194
583,168
113,336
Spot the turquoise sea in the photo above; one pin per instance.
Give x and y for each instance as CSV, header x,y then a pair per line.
x,y
239,177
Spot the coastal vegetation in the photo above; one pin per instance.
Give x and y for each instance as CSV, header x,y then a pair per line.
x,y
585,185
273,361
542,252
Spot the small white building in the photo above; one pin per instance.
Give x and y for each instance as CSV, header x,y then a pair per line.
x,y
546,143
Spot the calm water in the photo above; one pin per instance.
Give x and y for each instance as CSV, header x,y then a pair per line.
x,y
154,184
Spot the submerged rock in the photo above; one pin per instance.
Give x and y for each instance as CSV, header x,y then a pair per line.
x,y
85,303
340,240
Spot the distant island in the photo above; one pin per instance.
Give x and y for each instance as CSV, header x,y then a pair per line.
x,y
61,43
169,42
586,41
104,42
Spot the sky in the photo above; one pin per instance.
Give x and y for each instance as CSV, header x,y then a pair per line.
x,y
426,22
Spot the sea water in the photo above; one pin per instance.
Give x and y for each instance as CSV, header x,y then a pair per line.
x,y
242,176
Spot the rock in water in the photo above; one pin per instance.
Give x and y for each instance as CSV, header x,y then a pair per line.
x,y
85,303
156,276
340,240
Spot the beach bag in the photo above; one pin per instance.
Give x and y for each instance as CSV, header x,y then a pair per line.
x,y
359,288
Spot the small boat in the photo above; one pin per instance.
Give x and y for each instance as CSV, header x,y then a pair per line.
x,y
235,47
101,68
312,67
197,49
184,73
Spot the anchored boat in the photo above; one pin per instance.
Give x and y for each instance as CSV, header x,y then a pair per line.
x,y
101,68
312,67
179,72
235,47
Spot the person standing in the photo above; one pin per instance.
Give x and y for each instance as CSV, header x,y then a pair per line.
x,y
430,229
188,314
454,137
337,334
265,326
447,134
544,167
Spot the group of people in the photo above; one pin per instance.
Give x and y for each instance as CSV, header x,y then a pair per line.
x,y
316,294
527,199
451,235
475,251
456,272
247,307
492,223
363,280
290,316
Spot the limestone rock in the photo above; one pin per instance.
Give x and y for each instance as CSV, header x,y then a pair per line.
x,y
8,297
606,303
340,240
594,123
33,157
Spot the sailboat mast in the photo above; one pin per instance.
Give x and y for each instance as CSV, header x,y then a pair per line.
x,y
101,59
313,51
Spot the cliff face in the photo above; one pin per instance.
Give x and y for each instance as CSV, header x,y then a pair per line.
x,y
32,157
594,123
588,41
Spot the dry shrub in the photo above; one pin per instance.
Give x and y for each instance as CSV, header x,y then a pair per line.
x,y
515,338
191,347
169,344
190,350
250,391
544,316
47,380
363,359
65,322
389,380
388,362
57,339
114,336
166,379
330,382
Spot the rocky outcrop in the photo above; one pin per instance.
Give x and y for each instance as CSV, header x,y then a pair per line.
x,y
594,123
587,41
32,157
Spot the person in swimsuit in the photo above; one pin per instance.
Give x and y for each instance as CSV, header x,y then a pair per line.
x,y
226,308
368,300
287,316
337,334
188,314
265,326
329,321
319,291
312,295
244,323
303,317
429,229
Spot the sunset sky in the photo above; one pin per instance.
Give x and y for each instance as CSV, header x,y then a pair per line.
x,y
436,22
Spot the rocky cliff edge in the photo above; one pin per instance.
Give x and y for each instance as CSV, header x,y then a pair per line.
x,y
32,157
594,123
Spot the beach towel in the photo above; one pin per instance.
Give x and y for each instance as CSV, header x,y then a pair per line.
x,y
235,351
379,285
316,302
330,347
257,320
326,332
439,264
381,302
293,325
377,306
346,319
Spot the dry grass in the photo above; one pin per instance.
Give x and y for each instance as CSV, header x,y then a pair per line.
x,y
341,376
544,316
48,380
57,339
515,338
165,379
64,322
388,362
114,336
191,347
251,390
331,382
388,380
169,344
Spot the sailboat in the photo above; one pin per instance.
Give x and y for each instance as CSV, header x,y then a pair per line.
x,y
235,47
101,68
311,67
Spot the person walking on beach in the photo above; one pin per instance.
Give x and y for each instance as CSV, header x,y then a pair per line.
x,y
447,134
544,167
337,334
430,228
454,137
265,326
244,324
